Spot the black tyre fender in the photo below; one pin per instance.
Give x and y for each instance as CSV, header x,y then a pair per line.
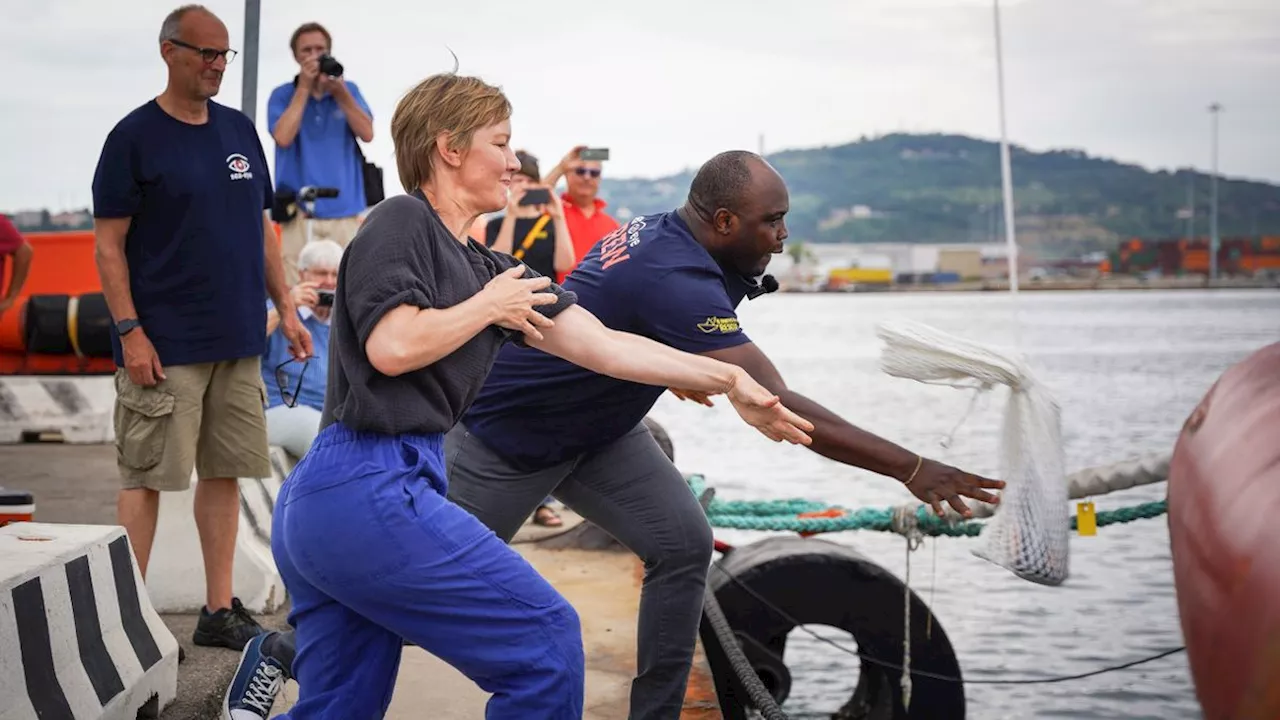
x,y
818,582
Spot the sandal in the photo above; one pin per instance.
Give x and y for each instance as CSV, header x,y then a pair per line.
x,y
546,517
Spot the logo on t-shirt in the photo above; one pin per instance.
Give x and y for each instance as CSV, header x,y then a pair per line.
x,y
239,167
614,246
722,325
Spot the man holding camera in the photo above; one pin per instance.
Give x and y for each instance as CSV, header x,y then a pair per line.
x,y
295,395
317,121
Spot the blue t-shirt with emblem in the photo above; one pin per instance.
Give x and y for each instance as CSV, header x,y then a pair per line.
x,y
649,277
196,196
323,153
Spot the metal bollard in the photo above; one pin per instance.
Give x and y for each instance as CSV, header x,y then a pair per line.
x,y
16,506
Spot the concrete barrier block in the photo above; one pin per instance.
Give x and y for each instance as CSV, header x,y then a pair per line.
x,y
175,572
78,637
73,410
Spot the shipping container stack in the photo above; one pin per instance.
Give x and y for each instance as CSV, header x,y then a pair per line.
x,y
1179,256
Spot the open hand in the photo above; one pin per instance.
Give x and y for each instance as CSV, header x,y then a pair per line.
x,y
935,483
765,412
514,299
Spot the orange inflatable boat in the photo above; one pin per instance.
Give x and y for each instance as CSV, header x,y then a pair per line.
x,y
63,267
1224,506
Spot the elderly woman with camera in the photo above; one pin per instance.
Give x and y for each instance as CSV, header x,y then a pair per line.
x,y
368,545
295,388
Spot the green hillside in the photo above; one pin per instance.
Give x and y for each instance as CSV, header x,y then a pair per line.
x,y
946,188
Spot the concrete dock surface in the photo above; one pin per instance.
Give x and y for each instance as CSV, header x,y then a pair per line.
x,y
78,483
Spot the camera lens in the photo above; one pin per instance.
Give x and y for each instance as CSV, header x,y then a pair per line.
x,y
330,66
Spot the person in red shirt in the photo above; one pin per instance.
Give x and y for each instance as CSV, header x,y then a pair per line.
x,y
583,210
12,243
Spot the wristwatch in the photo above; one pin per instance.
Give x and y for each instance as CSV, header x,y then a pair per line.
x,y
126,326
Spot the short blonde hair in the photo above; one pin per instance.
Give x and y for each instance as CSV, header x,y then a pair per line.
x,y
444,103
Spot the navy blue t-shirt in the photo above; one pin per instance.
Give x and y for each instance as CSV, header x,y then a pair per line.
x,y
649,277
196,194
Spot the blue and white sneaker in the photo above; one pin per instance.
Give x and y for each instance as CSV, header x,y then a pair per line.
x,y
254,687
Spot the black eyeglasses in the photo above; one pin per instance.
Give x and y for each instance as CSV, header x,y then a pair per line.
x,y
209,55
584,172
282,382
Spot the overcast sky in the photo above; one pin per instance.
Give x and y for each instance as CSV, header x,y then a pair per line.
x,y
666,84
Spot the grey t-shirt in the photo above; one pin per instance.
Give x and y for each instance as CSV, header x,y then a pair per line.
x,y
404,255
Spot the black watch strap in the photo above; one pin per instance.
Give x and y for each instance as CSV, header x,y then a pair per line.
x,y
124,327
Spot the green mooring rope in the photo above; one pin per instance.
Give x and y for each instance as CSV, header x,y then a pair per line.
x,y
781,515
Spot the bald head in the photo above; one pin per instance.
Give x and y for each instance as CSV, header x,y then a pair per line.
x,y
738,201
171,28
724,181
194,44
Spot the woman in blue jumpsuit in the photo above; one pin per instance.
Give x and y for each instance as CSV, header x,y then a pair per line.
x,y
370,549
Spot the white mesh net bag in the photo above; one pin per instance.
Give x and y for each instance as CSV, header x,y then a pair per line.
x,y
1030,532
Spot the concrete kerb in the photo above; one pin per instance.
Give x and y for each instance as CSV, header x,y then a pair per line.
x,y
77,638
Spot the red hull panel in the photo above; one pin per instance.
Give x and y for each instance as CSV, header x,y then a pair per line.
x,y
1224,530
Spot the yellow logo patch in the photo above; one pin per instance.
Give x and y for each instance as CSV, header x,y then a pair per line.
x,y
723,326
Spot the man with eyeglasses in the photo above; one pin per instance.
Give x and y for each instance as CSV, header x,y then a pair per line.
x,y
583,210
317,120
187,257
295,397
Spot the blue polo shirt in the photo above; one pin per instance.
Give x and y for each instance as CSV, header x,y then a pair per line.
x,y
195,195
649,277
323,153
316,373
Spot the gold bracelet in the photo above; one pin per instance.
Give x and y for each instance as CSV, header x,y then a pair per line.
x,y
919,462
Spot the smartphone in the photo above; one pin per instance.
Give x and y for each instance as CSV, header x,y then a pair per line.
x,y
594,154
536,196
326,298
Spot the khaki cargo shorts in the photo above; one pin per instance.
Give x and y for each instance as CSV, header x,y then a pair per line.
x,y
208,417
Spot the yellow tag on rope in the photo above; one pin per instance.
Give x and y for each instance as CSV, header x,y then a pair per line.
x,y
1086,519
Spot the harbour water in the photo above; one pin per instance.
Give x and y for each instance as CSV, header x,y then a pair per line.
x,y
1126,367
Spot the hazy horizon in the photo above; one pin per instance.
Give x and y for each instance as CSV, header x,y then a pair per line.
x,y
668,87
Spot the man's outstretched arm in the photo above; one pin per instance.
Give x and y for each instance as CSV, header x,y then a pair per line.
x,y
840,440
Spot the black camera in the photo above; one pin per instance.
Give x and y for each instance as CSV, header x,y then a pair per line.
x,y
329,66
326,298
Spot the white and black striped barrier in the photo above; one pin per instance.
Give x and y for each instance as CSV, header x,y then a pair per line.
x,y
71,409
78,640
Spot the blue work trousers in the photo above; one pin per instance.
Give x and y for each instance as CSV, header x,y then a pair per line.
x,y
372,552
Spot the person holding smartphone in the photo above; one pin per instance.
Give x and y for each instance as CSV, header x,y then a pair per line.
x,y
585,215
295,388
533,229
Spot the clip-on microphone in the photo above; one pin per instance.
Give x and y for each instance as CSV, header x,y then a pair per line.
x,y
765,285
